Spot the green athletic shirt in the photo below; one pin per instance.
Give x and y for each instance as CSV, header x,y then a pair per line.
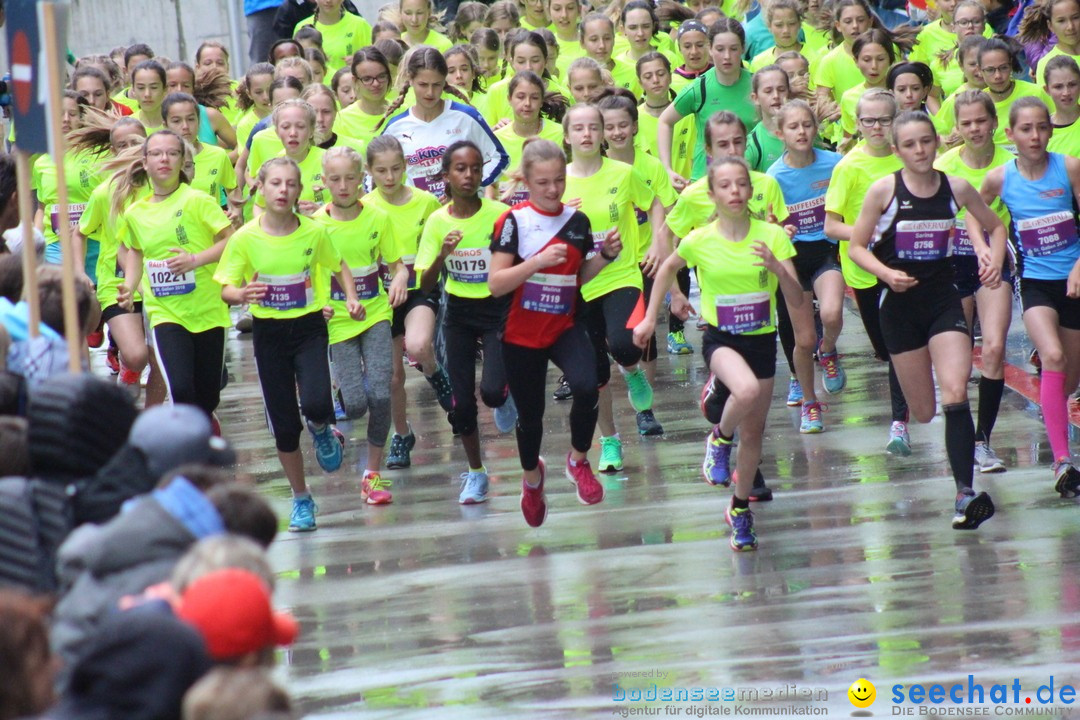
x,y
705,96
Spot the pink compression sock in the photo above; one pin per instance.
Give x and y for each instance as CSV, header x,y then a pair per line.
x,y
1055,412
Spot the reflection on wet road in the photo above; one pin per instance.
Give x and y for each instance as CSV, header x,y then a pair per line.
x,y
425,609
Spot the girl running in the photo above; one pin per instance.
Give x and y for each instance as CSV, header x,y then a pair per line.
x,y
804,173
421,25
770,90
456,244
176,236
998,63
214,174
911,83
740,264
597,35
213,127
270,264
343,33
873,55
148,83
536,114
372,79
969,20
976,122
909,217
607,192
1061,18
81,176
1063,87
362,350
728,87
620,115
538,253
413,324
425,129
692,39
1039,189
853,176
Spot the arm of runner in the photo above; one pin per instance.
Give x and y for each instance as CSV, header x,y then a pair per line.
x,y
859,250
665,278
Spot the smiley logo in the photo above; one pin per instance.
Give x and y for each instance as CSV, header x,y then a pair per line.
x,y
862,693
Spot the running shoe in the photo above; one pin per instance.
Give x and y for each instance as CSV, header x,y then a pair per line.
x,y
639,390
610,454
701,323
647,424
987,460
972,510
811,419
713,398
589,489
794,393
833,377
1035,360
506,415
400,446
1066,479
760,492
533,503
474,488
112,360
329,446
302,518
741,521
245,322
899,440
562,392
95,339
677,345
373,489
440,382
717,465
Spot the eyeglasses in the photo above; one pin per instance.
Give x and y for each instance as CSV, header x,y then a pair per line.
x,y
372,79
172,154
869,122
999,70
970,23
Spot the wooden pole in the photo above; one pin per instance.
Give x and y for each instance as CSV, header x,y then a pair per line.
x,y
29,247
73,331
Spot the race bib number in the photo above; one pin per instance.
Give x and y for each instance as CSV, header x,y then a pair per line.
x,y
163,283
808,216
1048,234
962,246
287,292
924,240
366,280
434,184
75,211
469,266
741,314
552,294
410,265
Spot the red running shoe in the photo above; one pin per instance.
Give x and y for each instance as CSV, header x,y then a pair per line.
x,y
589,489
533,504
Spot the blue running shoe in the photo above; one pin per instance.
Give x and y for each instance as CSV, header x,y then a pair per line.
x,y
833,377
794,393
899,439
329,446
677,345
302,518
717,465
972,510
506,415
741,521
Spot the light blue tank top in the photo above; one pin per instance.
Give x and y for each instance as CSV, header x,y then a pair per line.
x,y
1042,234
804,193
206,132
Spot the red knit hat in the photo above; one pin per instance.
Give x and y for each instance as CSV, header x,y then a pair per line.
x,y
231,609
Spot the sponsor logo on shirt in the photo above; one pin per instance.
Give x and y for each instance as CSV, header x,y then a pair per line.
x,y
1056,192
